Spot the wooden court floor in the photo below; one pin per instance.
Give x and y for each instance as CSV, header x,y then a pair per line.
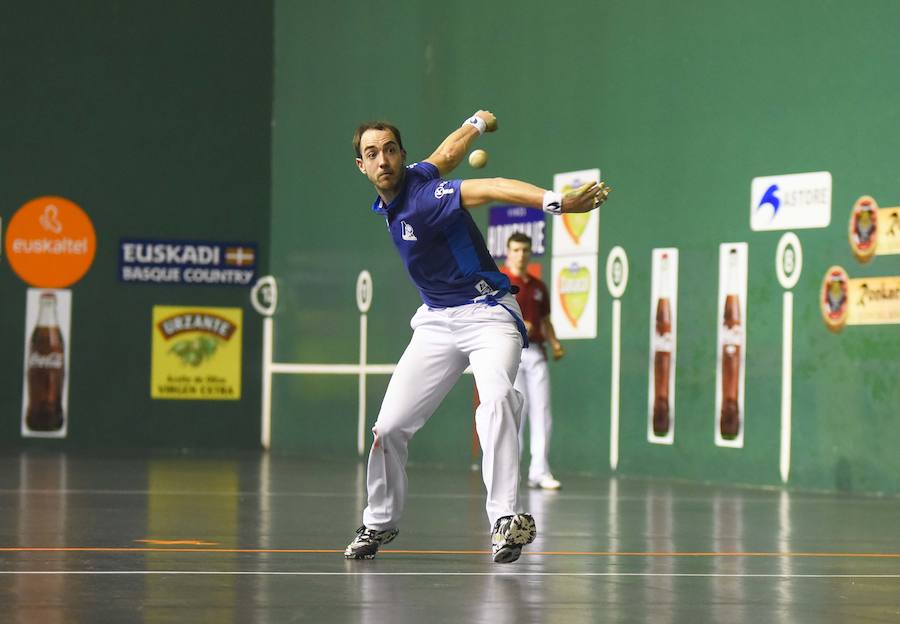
x,y
254,538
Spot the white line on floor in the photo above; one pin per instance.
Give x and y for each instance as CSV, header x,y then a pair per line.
x,y
584,574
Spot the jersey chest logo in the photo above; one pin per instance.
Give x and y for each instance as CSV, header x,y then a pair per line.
x,y
406,232
443,189
538,295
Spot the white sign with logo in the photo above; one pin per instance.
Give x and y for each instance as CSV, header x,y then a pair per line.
x,y
663,340
576,233
573,309
787,202
45,387
731,350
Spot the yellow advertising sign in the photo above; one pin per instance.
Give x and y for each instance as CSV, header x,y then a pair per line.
x,y
873,231
889,233
196,353
874,301
859,301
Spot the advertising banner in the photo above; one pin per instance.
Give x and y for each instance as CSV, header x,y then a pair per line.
x,y
663,333
45,386
191,263
732,345
573,309
576,233
873,231
196,353
503,221
789,202
50,242
859,301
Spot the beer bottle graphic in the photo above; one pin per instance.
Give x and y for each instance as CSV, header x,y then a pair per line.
x,y
730,417
46,370
662,347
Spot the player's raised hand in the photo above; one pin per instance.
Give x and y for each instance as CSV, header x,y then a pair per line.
x,y
586,197
490,120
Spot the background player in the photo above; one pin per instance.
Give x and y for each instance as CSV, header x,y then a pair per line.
x,y
533,379
468,317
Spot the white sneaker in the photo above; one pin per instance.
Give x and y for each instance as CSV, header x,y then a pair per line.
x,y
509,535
547,482
367,542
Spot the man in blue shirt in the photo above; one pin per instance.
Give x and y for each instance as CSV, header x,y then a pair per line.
x,y
468,318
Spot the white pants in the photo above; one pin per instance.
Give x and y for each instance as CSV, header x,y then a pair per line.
x,y
533,381
444,342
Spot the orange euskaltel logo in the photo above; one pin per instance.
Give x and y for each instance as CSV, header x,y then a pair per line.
x,y
50,242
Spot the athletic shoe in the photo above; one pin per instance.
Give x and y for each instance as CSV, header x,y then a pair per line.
x,y
367,542
509,535
547,482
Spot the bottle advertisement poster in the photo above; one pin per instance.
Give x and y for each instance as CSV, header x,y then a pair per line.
x,y
731,349
45,386
663,330
196,353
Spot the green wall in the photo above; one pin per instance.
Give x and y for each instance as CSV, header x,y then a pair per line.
x,y
157,119
154,117
680,105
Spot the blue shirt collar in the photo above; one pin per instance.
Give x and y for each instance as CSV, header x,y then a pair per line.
x,y
378,206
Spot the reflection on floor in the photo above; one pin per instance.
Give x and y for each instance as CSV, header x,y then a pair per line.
x,y
210,538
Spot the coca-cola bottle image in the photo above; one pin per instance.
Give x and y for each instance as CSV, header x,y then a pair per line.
x,y
46,370
662,352
730,421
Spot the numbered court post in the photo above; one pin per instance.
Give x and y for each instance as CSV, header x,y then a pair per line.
x,y
364,293
616,282
788,264
264,299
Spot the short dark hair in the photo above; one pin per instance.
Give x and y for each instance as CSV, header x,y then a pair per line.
x,y
518,237
374,125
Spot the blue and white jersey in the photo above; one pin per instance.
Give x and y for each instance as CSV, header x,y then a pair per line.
x,y
443,250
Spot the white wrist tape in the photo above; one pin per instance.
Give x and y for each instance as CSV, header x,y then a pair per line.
x,y
553,202
477,122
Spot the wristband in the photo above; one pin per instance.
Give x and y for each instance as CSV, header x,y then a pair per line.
x,y
476,122
552,202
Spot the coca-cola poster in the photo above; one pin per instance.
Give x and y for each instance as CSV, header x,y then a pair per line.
x,y
45,384
731,350
663,330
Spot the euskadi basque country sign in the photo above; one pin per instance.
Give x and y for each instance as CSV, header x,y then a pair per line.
x,y
194,263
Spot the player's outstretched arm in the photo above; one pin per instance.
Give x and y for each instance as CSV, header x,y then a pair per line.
x,y
474,193
453,149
